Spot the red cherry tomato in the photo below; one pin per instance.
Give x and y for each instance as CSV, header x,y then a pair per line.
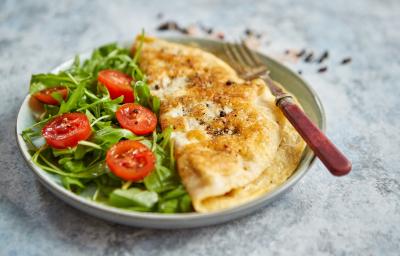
x,y
117,84
130,160
67,130
136,118
45,97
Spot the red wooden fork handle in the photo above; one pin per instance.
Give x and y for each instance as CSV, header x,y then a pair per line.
x,y
323,148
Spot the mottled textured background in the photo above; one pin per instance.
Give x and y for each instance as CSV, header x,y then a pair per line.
x,y
354,215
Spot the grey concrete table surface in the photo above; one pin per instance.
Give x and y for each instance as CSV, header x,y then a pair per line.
x,y
354,215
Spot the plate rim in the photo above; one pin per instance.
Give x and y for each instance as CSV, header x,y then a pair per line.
x,y
163,220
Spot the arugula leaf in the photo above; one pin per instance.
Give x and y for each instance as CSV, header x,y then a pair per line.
x,y
111,135
169,206
74,166
80,151
161,179
111,106
57,96
27,135
133,197
176,200
71,183
62,152
44,81
72,103
142,94
155,105
177,192
185,203
144,97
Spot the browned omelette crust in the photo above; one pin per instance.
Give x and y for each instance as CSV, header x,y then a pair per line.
x,y
226,129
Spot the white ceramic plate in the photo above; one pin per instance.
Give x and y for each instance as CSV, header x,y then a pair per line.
x,y
291,81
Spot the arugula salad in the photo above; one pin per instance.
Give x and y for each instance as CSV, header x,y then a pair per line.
x,y
98,131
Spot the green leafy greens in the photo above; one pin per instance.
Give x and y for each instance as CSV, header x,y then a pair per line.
x,y
82,169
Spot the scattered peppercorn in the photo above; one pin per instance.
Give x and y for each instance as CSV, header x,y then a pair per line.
x,y
157,87
301,53
309,57
169,25
249,33
345,61
300,72
228,83
218,132
323,57
322,70
222,113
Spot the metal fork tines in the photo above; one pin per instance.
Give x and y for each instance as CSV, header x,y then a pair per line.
x,y
245,61
249,66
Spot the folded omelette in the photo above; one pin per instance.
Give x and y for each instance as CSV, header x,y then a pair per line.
x,y
232,143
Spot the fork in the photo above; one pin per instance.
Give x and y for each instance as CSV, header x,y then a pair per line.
x,y
249,66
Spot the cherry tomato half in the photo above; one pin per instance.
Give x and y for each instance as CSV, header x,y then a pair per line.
x,y
45,96
130,160
117,84
136,118
67,130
